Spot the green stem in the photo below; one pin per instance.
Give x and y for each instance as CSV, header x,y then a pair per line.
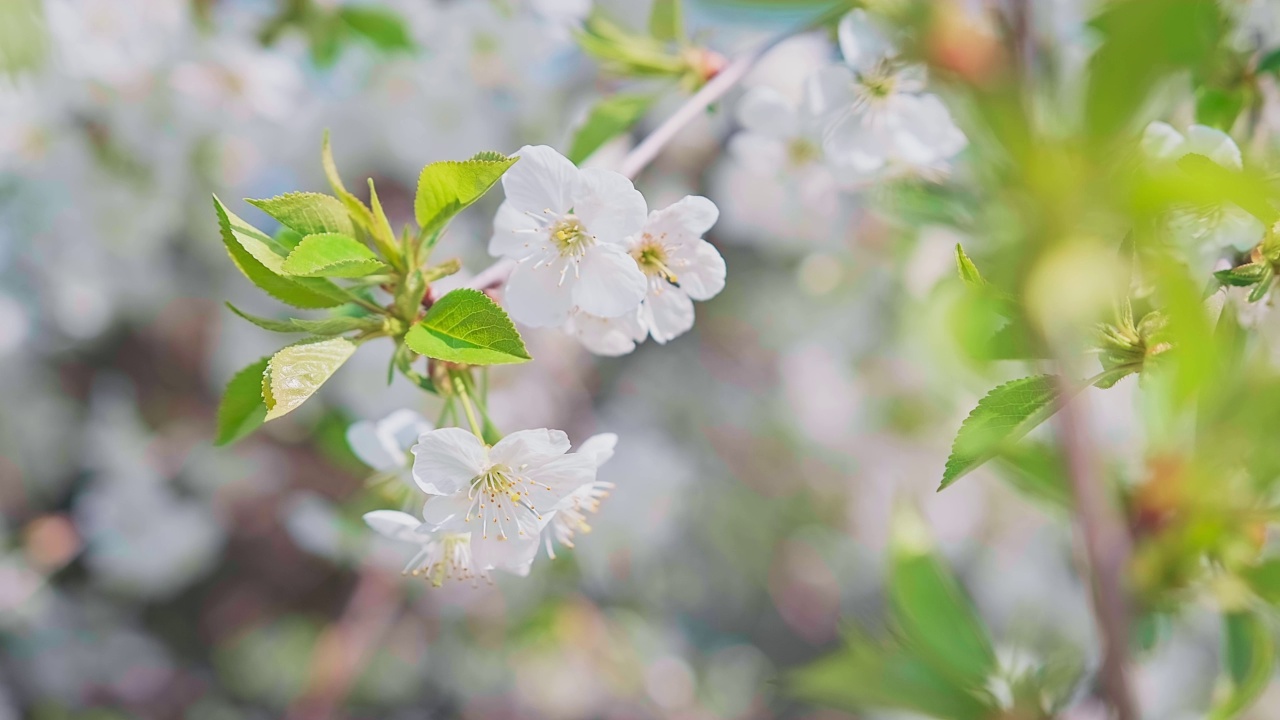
x,y
446,412
460,388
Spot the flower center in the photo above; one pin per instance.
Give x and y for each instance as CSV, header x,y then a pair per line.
x,y
497,497
801,152
570,237
654,260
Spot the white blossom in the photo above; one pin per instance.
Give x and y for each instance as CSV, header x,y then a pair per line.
x,y
567,230
880,120
383,445
570,518
441,556
1204,229
502,495
679,267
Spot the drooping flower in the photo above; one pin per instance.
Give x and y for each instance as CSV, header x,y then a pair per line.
x,y
440,556
502,495
880,122
567,230
679,267
1207,229
383,445
570,518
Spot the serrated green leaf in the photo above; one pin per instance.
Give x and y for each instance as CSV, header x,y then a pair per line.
x,y
968,271
1242,276
357,209
611,117
446,188
331,255
1248,658
308,213
466,326
1003,416
257,257
297,372
930,609
387,30
380,229
242,410
666,20
329,326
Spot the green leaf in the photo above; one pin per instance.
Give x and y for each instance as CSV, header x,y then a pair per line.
x,y
24,37
308,213
1249,656
1270,63
296,372
380,229
331,255
931,610
1036,470
1002,417
666,20
261,260
1244,275
387,30
1264,580
1220,184
610,118
866,674
466,326
1218,108
242,410
359,213
446,188
968,271
335,325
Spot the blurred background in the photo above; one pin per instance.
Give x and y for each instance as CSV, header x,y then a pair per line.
x,y
146,574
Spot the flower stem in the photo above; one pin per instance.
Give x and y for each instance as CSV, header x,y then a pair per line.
x,y
460,388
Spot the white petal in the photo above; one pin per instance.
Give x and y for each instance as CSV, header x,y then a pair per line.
x,y
610,207
514,554
760,154
515,234
1161,142
402,427
610,284
768,112
542,179
857,143
925,132
555,480
669,314
529,447
447,512
363,439
610,337
1238,229
536,297
685,220
394,524
829,90
601,446
702,272
1213,144
862,44
445,460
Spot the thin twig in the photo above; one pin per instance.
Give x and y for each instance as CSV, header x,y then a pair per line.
x,y
642,155
1107,549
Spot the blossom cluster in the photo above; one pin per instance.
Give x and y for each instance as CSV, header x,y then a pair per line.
x,y
591,259
865,119
487,508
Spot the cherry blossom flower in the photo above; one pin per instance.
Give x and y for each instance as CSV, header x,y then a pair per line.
x,y
567,230
502,495
440,556
570,518
679,267
383,445
880,120
1208,229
